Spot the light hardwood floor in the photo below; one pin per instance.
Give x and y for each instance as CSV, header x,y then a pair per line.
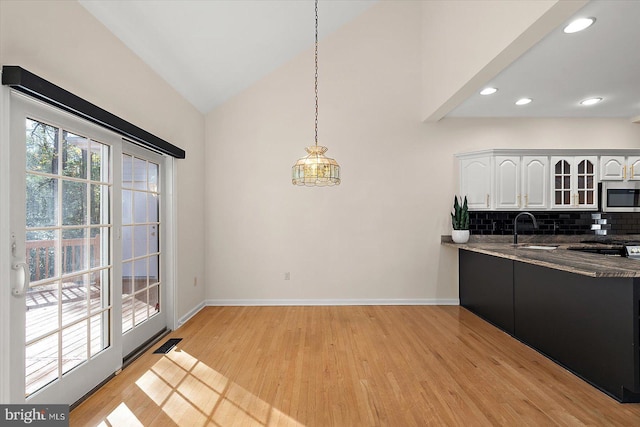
x,y
347,366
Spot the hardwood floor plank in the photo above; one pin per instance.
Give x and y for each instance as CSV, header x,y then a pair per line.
x,y
348,366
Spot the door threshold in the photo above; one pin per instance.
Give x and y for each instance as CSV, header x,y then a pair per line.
x,y
126,361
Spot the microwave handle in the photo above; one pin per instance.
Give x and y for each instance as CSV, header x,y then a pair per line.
x,y
601,196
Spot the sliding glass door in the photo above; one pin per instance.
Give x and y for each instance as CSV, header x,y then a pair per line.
x,y
142,281
86,253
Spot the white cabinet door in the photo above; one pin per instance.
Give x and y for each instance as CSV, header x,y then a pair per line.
x,y
508,194
535,175
522,182
573,181
475,182
561,172
633,168
612,168
619,168
586,182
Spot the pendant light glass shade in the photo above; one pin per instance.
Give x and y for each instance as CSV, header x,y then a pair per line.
x,y
316,170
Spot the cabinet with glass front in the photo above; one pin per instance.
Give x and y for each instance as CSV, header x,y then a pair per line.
x,y
574,182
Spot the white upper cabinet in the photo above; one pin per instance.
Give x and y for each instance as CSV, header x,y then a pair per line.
x,y
521,182
508,191
475,182
620,168
633,165
535,182
612,168
574,182
542,179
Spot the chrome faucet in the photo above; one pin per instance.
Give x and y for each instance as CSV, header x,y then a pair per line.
x,y
515,225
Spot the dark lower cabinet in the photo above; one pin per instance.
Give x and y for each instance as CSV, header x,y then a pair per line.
x,y
589,325
486,287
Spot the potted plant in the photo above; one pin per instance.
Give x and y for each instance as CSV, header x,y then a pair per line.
x,y
460,221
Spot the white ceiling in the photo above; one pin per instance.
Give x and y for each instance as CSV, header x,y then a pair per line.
x,y
210,50
564,69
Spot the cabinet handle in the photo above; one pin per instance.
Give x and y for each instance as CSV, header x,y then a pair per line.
x,y
575,199
624,172
487,200
526,200
519,200
631,173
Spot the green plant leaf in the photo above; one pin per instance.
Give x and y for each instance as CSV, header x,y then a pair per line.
x,y
460,214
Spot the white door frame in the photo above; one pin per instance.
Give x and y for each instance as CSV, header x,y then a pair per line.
x,y
5,252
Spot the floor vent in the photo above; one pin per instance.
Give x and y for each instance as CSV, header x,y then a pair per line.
x,y
166,347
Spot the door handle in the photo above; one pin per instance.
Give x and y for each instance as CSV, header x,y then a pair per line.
x,y
20,290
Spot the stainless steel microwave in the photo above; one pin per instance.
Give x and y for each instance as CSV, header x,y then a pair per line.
x,y
620,196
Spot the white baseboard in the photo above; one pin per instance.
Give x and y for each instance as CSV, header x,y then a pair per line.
x,y
190,314
308,302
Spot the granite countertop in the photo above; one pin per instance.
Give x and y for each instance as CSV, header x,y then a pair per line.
x,y
588,264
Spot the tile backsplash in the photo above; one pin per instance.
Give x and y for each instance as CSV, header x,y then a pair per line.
x,y
551,222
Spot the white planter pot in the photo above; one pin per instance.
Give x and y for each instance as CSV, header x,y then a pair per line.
x,y
460,236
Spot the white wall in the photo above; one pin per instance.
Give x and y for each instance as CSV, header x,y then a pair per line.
x,y
341,242
377,235
61,42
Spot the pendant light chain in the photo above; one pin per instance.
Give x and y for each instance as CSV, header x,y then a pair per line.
x,y
316,80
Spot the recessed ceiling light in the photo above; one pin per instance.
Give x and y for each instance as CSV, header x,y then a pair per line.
x,y
523,101
590,101
488,91
579,25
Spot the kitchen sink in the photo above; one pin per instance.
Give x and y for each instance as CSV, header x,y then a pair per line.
x,y
539,247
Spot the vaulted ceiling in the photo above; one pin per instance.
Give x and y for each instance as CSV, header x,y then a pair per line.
x,y
211,50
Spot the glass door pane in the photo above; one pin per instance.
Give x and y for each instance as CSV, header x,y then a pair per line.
x,y
67,216
140,241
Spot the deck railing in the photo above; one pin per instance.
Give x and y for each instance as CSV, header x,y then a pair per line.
x,y
74,256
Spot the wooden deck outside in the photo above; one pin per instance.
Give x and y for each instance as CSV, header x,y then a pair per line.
x,y
81,309
80,341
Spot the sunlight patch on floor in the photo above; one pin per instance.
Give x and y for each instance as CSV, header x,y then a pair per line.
x,y
121,416
191,393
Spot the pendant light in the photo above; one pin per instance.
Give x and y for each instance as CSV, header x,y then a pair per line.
x,y
316,170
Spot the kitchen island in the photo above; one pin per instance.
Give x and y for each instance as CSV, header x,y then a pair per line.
x,y
579,309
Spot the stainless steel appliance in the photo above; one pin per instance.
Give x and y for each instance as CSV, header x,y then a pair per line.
x,y
632,251
620,196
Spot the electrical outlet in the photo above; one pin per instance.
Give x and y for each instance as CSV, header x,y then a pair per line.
x,y
287,276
